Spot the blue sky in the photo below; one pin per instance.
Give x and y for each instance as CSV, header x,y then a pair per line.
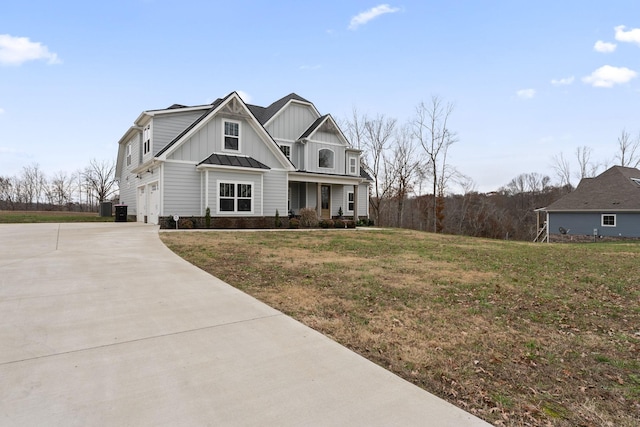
x,y
529,79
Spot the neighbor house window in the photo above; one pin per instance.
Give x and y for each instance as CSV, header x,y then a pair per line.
x,y
325,158
350,201
608,220
235,197
129,154
146,139
286,150
232,136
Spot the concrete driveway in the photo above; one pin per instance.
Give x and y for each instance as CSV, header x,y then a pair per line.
x,y
100,324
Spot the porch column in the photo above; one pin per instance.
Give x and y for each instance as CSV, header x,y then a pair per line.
x,y
319,200
355,202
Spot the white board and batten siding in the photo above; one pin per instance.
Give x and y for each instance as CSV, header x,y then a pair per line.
x,y
209,139
291,123
313,152
166,127
182,189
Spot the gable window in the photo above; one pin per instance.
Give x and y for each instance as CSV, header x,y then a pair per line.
x,y
232,136
608,220
286,150
146,139
129,154
350,201
235,197
325,158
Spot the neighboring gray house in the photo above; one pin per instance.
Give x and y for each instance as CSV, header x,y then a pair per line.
x,y
240,160
607,205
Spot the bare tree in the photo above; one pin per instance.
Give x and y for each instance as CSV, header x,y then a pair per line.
x,y
628,154
404,167
100,179
60,189
562,168
430,129
33,181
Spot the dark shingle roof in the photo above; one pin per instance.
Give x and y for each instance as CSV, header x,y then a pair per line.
x,y
612,190
263,114
238,161
314,126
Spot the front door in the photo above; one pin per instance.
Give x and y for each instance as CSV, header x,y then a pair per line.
x,y
325,201
142,204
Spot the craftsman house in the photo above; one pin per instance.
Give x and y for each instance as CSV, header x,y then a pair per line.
x,y
239,160
607,205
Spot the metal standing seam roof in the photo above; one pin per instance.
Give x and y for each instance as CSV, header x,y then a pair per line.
x,y
237,161
612,190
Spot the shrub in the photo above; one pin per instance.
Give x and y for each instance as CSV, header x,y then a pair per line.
x,y
338,223
294,223
278,222
308,217
324,223
185,223
207,218
351,224
340,212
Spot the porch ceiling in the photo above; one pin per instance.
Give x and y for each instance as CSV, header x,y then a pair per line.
x,y
324,178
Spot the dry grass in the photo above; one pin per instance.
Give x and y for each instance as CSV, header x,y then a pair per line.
x,y
516,333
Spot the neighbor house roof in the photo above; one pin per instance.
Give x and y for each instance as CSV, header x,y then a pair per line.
x,y
237,161
616,189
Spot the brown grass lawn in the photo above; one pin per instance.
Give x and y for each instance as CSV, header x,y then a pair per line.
x,y
516,333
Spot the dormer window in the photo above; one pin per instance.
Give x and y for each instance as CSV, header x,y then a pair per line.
x,y
232,136
353,169
146,139
325,158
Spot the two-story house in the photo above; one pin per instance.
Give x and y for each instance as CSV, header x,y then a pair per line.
x,y
239,160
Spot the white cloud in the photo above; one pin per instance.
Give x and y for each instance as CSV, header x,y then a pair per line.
x,y
607,76
366,16
631,36
16,50
244,95
563,82
526,93
604,47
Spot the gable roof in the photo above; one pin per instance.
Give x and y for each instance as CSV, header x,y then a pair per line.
x,y
237,161
616,189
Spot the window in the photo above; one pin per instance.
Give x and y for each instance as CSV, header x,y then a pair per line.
x,y
350,201
352,166
608,220
325,158
129,154
235,197
286,150
232,136
146,139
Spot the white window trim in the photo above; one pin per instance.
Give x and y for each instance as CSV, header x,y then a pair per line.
x,y
615,220
228,150
235,211
333,159
355,165
290,150
146,139
347,202
128,154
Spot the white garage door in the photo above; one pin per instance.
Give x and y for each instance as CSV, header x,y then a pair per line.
x,y
154,203
142,204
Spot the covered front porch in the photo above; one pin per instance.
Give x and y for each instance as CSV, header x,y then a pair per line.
x,y
330,196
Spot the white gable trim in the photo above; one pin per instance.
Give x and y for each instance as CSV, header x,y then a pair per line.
x,y
252,121
341,136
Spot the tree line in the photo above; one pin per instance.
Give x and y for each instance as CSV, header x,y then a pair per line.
x,y
83,190
413,177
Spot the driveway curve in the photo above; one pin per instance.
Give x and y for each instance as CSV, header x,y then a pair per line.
x,y
101,324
